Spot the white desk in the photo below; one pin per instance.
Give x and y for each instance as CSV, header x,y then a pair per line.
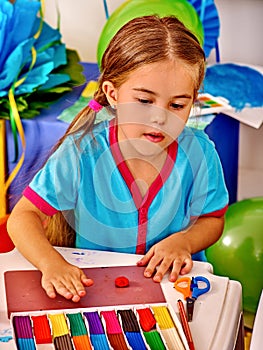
x,y
217,313
257,336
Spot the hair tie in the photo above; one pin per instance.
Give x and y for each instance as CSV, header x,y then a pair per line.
x,y
93,104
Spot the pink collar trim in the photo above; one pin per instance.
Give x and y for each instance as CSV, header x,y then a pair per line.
x,y
128,177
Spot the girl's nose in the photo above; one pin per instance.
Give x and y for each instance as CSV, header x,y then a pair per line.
x,y
158,116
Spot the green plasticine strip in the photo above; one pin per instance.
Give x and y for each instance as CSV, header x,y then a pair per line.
x,y
77,325
154,340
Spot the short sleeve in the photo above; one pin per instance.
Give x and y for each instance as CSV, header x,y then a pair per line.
x,y
210,195
57,182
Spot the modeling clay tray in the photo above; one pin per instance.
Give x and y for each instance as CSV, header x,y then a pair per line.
x,y
136,327
24,291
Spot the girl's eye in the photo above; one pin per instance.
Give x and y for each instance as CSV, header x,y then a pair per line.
x,y
177,106
144,101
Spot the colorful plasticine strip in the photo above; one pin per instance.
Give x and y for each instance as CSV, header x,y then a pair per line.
x,y
41,328
60,331
63,342
114,331
79,332
167,327
94,322
148,325
97,335
129,321
23,332
131,329
146,319
154,340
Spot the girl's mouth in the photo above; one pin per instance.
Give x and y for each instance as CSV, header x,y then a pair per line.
x,y
154,137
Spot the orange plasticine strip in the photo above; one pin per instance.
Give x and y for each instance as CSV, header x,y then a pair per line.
x,y
82,342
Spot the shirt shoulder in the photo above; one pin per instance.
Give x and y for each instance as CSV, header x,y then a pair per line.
x,y
84,141
191,136
193,132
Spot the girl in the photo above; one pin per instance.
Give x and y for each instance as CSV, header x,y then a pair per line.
x,y
140,182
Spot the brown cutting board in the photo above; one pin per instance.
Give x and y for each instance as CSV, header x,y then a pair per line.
x,y
24,292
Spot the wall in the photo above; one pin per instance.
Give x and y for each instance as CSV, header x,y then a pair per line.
x,y
240,38
241,31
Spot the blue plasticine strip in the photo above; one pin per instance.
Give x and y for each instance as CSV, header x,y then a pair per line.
x,y
99,342
135,340
26,344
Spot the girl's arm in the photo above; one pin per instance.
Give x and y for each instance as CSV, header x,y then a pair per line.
x,y
176,250
25,227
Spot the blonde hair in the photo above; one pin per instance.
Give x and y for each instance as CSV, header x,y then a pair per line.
x,y
143,40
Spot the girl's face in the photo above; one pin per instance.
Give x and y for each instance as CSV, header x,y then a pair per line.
x,y
153,105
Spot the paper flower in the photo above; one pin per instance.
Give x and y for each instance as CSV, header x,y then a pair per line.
x,y
31,57
35,67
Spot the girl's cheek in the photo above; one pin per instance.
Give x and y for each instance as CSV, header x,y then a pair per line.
x,y
174,127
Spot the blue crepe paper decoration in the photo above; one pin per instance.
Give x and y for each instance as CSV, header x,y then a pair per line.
x,y
209,17
16,41
241,85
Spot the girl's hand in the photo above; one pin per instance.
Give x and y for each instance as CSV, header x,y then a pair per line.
x,y
170,252
67,280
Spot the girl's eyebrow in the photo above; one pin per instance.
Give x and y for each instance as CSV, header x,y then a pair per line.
x,y
155,94
145,90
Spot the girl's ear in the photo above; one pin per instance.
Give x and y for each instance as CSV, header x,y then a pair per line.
x,y
110,91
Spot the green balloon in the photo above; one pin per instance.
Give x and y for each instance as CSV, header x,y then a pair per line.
x,y
130,9
239,252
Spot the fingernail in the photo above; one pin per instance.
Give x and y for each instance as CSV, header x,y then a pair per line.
x,y
157,278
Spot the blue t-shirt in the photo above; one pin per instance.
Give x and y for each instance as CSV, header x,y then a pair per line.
x,y
92,179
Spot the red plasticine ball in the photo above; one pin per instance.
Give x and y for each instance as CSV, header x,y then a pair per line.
x,y
121,282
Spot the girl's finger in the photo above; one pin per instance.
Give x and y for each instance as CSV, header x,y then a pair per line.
x,y
187,267
49,289
178,266
162,269
86,281
65,291
146,258
151,267
56,288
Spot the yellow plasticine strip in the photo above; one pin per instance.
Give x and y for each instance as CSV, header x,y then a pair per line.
x,y
59,325
167,327
90,88
163,317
